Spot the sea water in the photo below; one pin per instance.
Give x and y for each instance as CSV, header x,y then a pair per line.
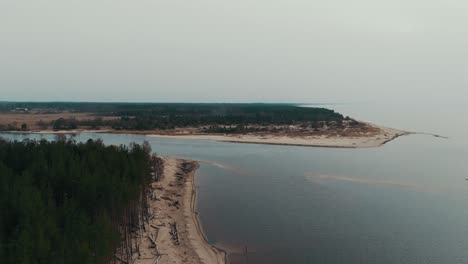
x,y
405,202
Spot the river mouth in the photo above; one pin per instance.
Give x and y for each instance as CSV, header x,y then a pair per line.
x,y
402,203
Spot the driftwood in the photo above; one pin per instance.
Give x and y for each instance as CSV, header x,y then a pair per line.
x,y
176,204
154,196
152,241
174,234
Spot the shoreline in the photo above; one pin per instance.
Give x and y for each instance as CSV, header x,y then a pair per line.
x,y
365,140
369,140
220,253
173,233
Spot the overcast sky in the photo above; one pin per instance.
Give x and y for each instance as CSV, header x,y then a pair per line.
x,y
234,51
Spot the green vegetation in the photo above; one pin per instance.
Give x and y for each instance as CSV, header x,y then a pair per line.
x,y
11,127
64,202
65,124
212,118
215,115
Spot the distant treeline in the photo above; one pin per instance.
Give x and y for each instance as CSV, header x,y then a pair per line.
x,y
238,115
70,106
63,202
224,118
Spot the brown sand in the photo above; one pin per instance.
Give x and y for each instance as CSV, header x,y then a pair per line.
x,y
31,119
377,138
192,247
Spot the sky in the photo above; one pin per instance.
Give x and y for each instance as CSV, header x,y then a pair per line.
x,y
234,51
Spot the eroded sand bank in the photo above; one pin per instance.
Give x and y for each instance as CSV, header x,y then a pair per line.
x,y
173,203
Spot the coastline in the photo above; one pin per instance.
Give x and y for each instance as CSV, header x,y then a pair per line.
x,y
219,256
331,140
325,141
172,205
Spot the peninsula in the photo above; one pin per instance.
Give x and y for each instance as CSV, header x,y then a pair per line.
x,y
276,124
98,204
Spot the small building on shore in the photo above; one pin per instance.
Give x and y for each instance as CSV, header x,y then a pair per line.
x,y
21,110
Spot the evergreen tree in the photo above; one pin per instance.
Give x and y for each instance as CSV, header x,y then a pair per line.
x,y
63,202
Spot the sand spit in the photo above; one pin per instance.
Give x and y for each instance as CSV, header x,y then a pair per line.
x,y
332,141
376,138
173,208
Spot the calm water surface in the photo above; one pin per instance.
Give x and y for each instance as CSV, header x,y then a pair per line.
x,y
406,202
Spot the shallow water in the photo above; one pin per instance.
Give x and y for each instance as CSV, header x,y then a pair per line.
x,y
405,202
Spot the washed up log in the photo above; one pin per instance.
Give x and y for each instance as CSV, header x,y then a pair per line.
x,y
176,204
174,234
152,240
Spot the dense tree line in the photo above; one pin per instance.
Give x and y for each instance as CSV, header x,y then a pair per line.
x,y
67,202
225,118
14,127
222,118
223,115
65,124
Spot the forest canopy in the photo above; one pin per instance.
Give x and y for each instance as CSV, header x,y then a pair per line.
x,y
67,202
216,118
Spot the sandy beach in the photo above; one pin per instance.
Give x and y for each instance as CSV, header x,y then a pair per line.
x,y
173,208
375,138
364,140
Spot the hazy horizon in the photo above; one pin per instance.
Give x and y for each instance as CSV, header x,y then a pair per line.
x,y
242,51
